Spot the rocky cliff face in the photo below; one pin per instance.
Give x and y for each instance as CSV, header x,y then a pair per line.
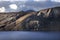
x,y
31,20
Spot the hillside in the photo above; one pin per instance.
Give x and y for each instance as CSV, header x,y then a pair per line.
x,y
30,20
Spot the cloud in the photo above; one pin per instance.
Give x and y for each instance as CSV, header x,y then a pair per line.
x,y
13,0
13,6
16,6
55,0
2,9
40,0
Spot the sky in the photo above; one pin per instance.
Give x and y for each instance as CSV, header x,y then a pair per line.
x,y
18,5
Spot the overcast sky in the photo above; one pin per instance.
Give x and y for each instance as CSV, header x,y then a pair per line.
x,y
14,6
